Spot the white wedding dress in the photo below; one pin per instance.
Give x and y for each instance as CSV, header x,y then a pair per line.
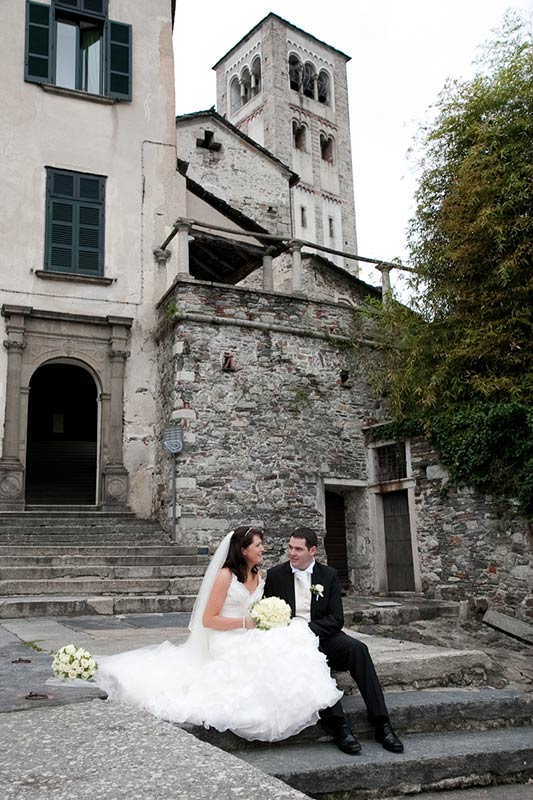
x,y
264,685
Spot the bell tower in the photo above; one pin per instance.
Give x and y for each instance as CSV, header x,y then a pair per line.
x,y
288,91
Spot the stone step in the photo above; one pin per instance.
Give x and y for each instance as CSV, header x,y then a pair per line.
x,y
411,712
11,519
430,761
92,533
84,570
86,586
76,606
396,609
104,550
82,560
402,665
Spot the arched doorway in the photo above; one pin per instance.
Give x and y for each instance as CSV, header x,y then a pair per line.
x,y
335,540
61,459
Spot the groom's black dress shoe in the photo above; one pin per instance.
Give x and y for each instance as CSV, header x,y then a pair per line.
x,y
386,736
345,740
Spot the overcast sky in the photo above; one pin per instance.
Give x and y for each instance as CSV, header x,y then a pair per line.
x,y
401,51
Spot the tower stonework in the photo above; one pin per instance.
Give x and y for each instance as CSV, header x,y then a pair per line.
x,y
288,90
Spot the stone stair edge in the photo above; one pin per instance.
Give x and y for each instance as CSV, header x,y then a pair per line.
x,y
430,761
16,607
412,711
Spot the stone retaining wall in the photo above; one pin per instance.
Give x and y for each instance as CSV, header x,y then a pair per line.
x,y
263,434
470,545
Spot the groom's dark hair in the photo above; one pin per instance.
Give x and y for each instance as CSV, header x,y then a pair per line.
x,y
307,534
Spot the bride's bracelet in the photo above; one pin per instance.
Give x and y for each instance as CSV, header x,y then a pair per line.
x,y
244,622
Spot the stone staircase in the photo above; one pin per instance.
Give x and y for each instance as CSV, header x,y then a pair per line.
x,y
68,561
453,739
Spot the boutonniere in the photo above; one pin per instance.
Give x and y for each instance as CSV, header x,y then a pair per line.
x,y
317,589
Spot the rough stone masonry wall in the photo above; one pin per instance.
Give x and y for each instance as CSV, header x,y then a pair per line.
x,y
259,437
470,546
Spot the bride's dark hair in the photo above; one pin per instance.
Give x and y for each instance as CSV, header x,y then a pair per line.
x,y
235,561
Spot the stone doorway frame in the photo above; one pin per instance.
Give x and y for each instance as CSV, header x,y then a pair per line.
x,y
37,337
358,552
376,491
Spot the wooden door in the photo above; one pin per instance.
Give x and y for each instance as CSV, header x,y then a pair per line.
x,y
400,573
335,541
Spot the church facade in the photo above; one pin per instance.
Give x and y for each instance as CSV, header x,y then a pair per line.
x,y
159,276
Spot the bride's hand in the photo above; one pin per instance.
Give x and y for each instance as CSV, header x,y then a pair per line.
x,y
249,623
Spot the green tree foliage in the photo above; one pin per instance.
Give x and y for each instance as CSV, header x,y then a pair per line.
x,y
459,363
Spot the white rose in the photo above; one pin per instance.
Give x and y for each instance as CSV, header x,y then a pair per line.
x,y
72,673
70,649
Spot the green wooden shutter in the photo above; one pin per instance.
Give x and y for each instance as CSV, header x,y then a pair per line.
x,y
90,225
38,62
60,222
118,60
75,223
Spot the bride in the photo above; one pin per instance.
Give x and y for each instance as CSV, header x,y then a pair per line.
x,y
264,685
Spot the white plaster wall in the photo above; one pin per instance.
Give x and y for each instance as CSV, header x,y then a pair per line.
x,y
305,199
333,210
244,177
133,144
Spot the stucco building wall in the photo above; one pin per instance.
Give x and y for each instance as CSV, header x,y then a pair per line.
x,y
133,145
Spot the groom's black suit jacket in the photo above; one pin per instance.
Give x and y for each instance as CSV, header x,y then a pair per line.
x,y
327,616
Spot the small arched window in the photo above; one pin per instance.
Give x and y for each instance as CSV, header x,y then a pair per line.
x,y
324,89
256,76
246,86
299,135
309,77
326,148
295,72
235,95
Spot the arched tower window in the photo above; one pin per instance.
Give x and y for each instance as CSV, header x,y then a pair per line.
x,y
324,88
299,135
295,72
246,85
256,76
309,78
235,95
326,148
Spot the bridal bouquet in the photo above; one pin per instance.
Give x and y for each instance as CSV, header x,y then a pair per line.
x,y
74,662
271,612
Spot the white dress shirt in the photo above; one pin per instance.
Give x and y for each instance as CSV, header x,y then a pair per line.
x,y
302,591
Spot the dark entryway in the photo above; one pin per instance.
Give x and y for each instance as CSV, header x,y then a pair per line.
x,y
62,432
335,540
400,573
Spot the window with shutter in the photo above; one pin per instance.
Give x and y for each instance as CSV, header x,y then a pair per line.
x,y
119,61
38,66
75,222
73,44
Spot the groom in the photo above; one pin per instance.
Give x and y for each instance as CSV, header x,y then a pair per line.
x,y
313,592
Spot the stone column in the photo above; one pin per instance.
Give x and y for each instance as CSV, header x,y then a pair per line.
x,y
11,468
268,272
386,289
115,475
183,248
296,252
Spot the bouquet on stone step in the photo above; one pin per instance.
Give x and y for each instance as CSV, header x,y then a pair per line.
x,y
74,662
271,612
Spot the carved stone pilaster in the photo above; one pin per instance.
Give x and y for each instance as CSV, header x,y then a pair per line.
x,y
115,487
11,486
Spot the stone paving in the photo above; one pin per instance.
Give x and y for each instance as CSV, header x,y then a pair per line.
x,y
70,742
